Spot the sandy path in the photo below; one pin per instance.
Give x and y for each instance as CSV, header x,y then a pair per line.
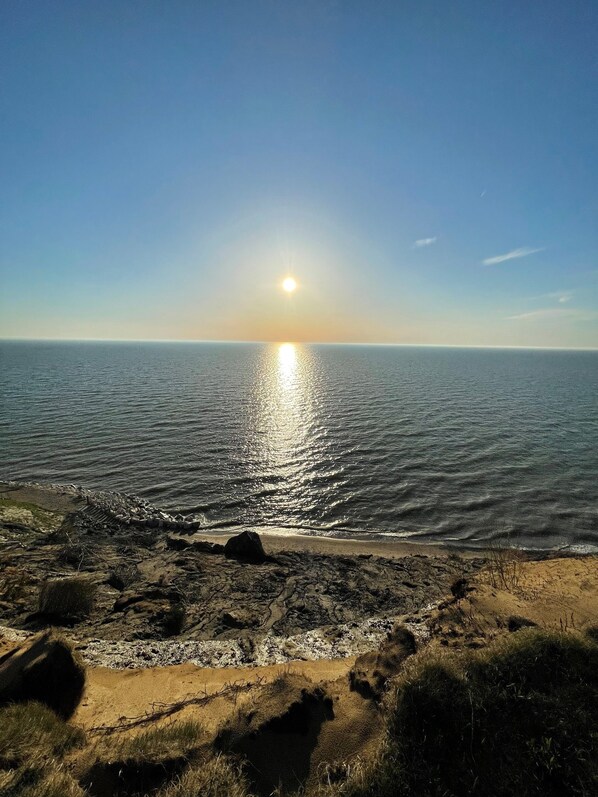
x,y
112,695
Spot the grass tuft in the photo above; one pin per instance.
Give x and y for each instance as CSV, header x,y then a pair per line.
x,y
592,633
31,734
27,782
519,717
67,599
127,765
216,777
504,567
13,583
167,741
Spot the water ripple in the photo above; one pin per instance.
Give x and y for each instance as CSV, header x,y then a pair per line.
x,y
459,446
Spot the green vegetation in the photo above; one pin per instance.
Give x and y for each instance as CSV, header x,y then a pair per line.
x,y
32,734
176,740
27,782
29,515
520,718
32,741
67,599
216,777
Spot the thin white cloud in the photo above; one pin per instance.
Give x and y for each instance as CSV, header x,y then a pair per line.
x,y
523,251
551,312
424,242
560,296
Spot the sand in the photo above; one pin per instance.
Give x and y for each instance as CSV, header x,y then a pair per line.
x,y
558,593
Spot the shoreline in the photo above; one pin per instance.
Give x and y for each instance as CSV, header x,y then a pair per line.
x,y
342,546
313,598
311,635
137,512
166,597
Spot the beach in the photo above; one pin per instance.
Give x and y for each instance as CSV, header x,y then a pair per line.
x,y
179,632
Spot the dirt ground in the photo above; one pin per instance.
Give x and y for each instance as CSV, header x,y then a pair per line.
x,y
305,583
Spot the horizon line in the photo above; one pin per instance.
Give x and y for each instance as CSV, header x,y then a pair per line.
x,y
301,342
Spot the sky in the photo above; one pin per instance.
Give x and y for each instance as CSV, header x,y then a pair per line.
x,y
426,171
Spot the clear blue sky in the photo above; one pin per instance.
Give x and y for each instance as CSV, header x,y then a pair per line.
x,y
427,171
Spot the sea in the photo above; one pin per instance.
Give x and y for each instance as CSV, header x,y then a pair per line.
x,y
467,447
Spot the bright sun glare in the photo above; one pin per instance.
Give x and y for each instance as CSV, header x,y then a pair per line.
x,y
289,285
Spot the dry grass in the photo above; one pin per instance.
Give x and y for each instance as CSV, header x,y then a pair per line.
x,y
32,735
517,718
67,599
76,554
504,567
216,777
13,583
123,576
140,764
27,782
175,740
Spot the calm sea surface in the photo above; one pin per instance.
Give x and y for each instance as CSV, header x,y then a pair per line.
x,y
431,444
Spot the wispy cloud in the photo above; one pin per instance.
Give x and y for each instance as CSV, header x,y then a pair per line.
x,y
552,312
523,251
424,242
560,296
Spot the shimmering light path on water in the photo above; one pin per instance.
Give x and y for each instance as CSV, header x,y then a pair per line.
x,y
431,444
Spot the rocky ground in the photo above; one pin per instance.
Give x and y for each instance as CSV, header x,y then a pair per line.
x,y
156,585
334,634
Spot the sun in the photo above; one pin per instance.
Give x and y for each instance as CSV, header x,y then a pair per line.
x,y
289,285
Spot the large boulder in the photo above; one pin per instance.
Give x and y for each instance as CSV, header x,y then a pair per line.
x,y
46,669
247,547
372,670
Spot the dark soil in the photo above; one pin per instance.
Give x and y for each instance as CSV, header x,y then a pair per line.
x,y
153,584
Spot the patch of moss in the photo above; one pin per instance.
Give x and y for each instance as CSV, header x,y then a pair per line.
x,y
29,515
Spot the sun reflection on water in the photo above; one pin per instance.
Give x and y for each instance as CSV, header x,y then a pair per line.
x,y
281,443
287,365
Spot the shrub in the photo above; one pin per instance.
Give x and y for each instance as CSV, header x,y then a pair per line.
x,y
175,619
75,554
66,599
592,632
123,575
504,567
518,718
